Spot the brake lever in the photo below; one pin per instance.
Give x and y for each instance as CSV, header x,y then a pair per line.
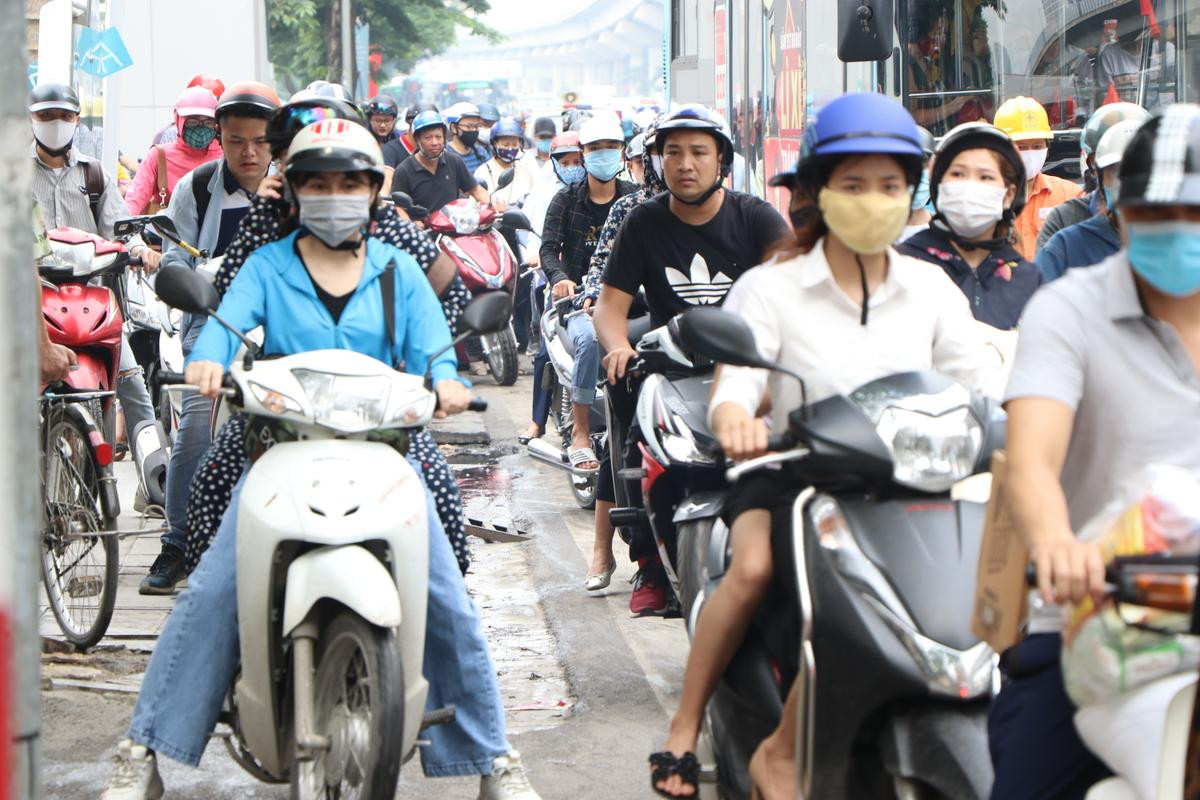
x,y
734,474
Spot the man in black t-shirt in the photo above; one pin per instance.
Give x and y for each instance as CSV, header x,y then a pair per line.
x,y
685,248
434,176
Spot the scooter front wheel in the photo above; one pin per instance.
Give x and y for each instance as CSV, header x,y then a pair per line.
x,y
500,351
359,703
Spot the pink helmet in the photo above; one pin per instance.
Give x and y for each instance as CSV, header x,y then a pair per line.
x,y
196,101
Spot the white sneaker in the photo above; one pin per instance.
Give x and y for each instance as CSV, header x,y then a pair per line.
x,y
135,776
508,781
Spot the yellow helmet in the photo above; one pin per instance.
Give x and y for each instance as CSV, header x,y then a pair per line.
x,y
1023,118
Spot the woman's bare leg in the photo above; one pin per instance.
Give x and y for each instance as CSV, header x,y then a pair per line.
x,y
773,766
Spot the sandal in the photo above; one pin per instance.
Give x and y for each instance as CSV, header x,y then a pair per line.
x,y
582,455
525,438
666,764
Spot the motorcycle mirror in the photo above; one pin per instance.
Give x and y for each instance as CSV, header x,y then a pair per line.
x,y
419,213
403,200
125,227
506,178
165,226
487,313
515,219
186,289
719,335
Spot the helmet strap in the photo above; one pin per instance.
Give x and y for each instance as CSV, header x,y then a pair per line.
x,y
62,151
702,199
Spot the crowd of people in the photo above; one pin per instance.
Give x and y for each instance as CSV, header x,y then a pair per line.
x,y
900,251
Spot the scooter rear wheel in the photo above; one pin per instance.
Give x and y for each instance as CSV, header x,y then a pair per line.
x,y
79,571
359,693
500,351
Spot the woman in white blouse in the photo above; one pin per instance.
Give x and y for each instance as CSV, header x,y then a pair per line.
x,y
841,307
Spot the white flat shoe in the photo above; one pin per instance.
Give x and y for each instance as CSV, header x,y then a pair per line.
x,y
600,580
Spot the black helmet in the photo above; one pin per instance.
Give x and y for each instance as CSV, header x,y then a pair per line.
x,y
416,108
696,117
972,136
335,91
573,118
1161,166
489,113
291,118
544,126
381,105
53,96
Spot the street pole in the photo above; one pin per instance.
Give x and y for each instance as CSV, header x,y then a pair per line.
x,y
347,20
19,490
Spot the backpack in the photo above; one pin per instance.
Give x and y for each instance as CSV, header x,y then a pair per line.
x,y
201,176
93,177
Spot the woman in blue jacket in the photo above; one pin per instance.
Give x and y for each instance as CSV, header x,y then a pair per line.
x,y
320,288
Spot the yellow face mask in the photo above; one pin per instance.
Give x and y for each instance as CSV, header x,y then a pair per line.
x,y
866,223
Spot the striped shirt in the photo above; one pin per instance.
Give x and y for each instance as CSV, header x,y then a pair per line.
x,y
62,195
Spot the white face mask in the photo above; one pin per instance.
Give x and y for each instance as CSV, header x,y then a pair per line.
x,y
1034,161
485,134
334,218
55,134
971,207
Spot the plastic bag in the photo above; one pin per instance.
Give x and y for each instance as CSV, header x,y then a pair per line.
x,y
1105,652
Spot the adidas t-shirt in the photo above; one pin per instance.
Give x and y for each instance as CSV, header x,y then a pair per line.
x,y
682,265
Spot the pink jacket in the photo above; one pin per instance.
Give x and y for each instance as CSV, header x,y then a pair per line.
x,y
181,159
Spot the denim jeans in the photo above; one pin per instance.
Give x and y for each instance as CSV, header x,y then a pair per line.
x,y
541,362
132,391
197,657
191,440
586,372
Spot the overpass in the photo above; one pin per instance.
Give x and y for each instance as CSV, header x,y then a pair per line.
x,y
609,42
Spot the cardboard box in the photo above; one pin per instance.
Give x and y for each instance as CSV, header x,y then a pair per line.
x,y
1001,593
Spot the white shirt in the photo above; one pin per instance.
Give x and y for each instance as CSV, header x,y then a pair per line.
x,y
917,320
525,177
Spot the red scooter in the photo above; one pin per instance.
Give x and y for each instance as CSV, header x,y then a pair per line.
x,y
484,254
79,550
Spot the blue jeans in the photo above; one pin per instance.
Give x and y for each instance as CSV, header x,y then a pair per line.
x,y
586,372
132,391
1036,752
197,657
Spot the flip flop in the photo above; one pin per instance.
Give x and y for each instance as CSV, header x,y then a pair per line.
x,y
582,455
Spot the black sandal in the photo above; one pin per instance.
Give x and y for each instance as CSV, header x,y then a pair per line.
x,y
666,764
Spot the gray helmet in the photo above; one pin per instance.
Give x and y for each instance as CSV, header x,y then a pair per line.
x,y
47,96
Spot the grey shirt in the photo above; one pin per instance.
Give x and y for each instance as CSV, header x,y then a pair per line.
x,y
1075,210
1086,342
62,195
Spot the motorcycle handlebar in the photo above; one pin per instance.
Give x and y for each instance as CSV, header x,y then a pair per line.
x,y
169,378
778,442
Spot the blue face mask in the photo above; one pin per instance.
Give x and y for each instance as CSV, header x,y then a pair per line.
x,y
603,165
571,176
1166,255
1109,199
921,195
543,146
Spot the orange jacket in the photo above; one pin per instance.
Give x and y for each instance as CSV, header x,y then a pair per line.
x,y
1045,192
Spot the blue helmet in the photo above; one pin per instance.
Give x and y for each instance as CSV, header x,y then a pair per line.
x,y
860,124
427,119
489,113
507,127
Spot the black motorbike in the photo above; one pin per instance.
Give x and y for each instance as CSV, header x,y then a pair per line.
x,y
873,617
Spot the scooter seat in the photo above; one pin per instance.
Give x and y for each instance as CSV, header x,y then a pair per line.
x,y
639,327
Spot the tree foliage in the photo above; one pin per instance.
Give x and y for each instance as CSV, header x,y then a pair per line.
x,y
304,45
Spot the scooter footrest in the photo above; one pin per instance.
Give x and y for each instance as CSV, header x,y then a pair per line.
x,y
626,517
439,716
631,474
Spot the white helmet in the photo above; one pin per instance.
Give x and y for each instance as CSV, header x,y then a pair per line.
x,y
601,128
459,110
1114,141
335,145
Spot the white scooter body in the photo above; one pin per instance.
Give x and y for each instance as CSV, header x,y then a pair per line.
x,y
357,512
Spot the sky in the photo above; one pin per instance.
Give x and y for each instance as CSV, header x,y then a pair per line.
x,y
511,16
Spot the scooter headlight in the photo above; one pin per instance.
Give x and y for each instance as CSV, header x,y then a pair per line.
x,y
346,403
934,439
464,219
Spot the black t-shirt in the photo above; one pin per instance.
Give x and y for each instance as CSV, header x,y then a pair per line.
x,y
681,265
434,190
597,214
335,304
395,153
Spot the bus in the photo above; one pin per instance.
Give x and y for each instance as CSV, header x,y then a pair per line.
x,y
768,65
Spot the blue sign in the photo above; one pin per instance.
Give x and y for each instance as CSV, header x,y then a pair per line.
x,y
101,53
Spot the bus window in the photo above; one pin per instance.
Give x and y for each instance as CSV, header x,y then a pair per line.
x,y
824,72
964,58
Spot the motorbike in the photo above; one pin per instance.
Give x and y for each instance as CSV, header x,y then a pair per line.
x,y
558,381
332,595
873,624
79,550
483,251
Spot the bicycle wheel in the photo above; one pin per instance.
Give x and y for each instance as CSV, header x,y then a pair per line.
x,y
79,570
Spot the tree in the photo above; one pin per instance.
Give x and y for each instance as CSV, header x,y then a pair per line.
x,y
304,35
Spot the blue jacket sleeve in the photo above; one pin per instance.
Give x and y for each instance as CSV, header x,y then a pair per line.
x,y
426,330
243,307
1051,260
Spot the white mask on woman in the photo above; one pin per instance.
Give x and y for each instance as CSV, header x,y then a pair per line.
x,y
971,208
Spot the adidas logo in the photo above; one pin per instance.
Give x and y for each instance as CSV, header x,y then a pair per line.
x,y
699,288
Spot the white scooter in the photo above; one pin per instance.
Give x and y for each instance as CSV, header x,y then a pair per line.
x,y
332,563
